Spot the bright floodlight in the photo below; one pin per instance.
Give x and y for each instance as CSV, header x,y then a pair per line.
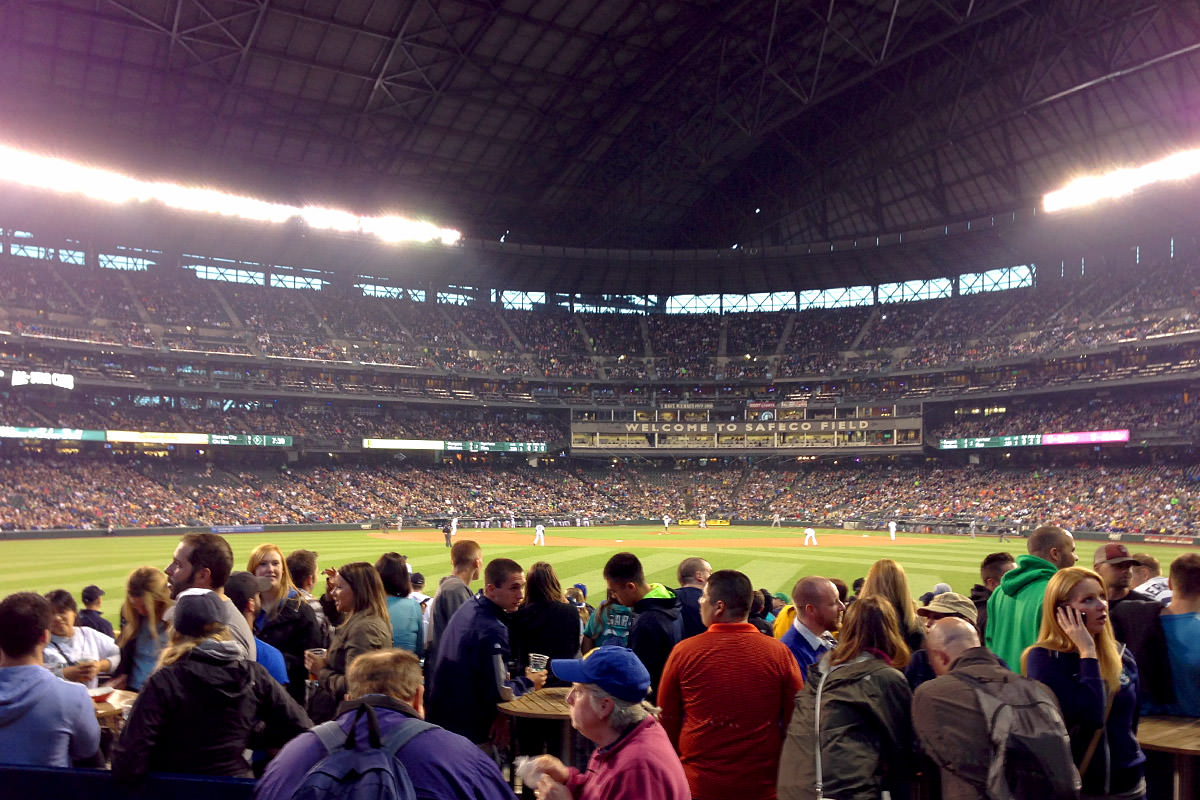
x,y
1094,188
44,172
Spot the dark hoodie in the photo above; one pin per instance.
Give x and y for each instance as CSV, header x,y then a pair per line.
x,y
979,596
657,627
199,714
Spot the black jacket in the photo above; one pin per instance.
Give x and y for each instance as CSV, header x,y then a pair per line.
x,y
551,629
199,714
293,630
689,607
1137,623
657,628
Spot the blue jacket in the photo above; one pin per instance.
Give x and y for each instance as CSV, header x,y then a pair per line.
x,y
805,655
465,683
1117,763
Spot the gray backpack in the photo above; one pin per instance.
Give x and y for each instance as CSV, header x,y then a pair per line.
x,y
1031,750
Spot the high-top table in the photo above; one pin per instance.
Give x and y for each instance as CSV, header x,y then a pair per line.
x,y
1179,736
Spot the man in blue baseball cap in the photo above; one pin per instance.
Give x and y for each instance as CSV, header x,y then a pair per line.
x,y
634,759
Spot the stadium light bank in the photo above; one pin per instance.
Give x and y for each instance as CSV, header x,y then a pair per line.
x,y
66,177
1091,189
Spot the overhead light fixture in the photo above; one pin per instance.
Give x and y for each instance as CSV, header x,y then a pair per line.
x,y
1091,189
66,177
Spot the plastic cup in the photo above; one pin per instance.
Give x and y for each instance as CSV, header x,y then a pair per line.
x,y
538,662
320,652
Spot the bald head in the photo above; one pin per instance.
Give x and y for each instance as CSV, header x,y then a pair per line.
x,y
1054,544
946,640
818,606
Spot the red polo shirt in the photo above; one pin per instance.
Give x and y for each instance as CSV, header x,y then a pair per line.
x,y
727,696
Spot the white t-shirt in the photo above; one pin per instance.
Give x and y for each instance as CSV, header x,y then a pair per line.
x,y
85,643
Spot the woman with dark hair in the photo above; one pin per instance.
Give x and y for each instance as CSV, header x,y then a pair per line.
x,y
408,624
358,593
199,708
545,623
1096,682
284,619
144,631
76,653
857,742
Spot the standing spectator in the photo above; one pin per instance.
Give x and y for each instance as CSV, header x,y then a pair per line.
x,y
77,654
408,623
302,566
1015,610
545,622
1136,622
951,727
609,626
818,614
144,634
1095,681
657,626
359,595
692,573
441,765
466,559
633,758
1181,622
243,590
91,617
283,618
727,697
44,721
993,568
860,743
946,604
470,669
1148,579
886,579
204,561
423,600
198,711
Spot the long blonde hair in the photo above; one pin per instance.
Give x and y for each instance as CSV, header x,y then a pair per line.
x,y
179,645
286,587
886,579
1051,636
149,583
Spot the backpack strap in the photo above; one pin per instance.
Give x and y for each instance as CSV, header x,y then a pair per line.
x,y
403,733
330,734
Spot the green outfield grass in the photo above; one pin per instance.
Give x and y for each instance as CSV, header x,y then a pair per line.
x,y
773,558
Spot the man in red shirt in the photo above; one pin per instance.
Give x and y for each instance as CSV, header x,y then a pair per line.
x,y
727,696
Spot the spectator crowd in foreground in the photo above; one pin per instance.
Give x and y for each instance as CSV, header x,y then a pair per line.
x,y
707,690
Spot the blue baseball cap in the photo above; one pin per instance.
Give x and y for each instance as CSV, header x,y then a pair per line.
x,y
614,669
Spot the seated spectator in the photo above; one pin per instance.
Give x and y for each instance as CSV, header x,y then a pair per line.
x,y
441,765
1181,622
198,711
77,654
91,617
243,590
634,759
144,634
44,721
864,727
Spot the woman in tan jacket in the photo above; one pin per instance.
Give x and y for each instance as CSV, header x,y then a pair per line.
x,y
358,592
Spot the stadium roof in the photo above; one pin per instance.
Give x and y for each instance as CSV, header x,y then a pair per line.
x,y
663,125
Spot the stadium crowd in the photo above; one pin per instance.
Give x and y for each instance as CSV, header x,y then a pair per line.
x,y
703,689
71,493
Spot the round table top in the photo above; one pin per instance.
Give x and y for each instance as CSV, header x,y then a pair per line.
x,y
540,704
1170,734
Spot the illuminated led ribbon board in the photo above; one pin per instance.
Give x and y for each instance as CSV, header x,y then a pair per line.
x,y
1034,440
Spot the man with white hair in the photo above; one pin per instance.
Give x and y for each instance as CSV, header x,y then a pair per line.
x,y
634,759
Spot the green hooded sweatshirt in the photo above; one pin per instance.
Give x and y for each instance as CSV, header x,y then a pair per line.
x,y
1015,609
